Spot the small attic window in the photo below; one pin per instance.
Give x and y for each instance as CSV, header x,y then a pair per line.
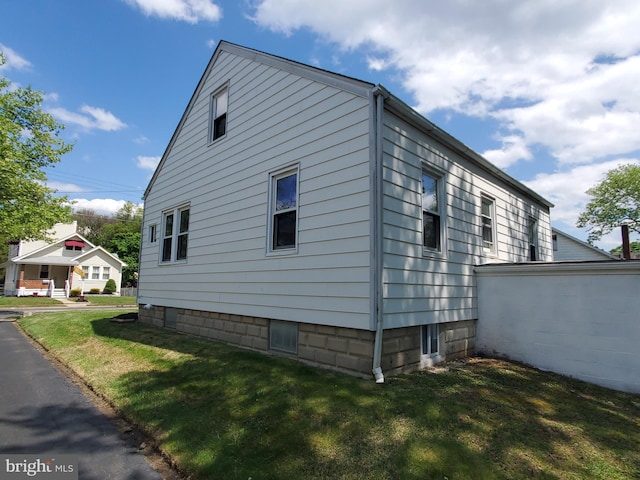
x,y
218,121
74,245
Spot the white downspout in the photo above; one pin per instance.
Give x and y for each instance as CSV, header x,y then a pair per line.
x,y
380,94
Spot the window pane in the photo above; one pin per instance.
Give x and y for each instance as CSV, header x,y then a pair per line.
x,y
486,207
429,193
184,221
286,192
221,103
284,230
487,231
152,234
431,230
182,247
106,272
95,273
434,338
283,336
220,126
166,250
168,225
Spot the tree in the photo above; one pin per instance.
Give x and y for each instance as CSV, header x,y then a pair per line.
x,y
90,223
633,246
29,141
615,199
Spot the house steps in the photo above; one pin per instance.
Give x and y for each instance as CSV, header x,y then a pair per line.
x,y
58,293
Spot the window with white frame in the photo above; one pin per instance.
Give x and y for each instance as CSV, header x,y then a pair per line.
x,y
106,273
430,342
488,223
284,210
432,209
95,273
153,233
175,234
283,336
218,122
533,239
44,271
85,271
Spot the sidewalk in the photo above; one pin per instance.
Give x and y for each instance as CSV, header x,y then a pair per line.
x,y
44,413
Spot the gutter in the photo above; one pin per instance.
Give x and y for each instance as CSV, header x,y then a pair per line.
x,y
379,93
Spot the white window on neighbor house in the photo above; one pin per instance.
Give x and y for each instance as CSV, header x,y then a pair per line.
x,y
153,233
283,336
283,210
106,273
488,224
532,232
430,341
432,211
95,273
175,234
218,117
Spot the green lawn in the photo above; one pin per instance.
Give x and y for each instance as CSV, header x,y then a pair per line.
x,y
109,300
47,302
28,302
225,413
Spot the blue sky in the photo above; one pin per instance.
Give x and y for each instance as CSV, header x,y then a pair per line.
x,y
548,91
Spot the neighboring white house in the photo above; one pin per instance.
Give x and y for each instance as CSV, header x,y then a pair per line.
x,y
305,213
68,261
569,249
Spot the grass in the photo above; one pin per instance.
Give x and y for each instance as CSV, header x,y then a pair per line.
x,y
109,300
28,302
225,413
47,302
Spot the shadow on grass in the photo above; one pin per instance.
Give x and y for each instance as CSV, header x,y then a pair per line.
x,y
224,412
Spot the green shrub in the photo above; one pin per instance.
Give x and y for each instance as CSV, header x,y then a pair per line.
x,y
75,292
110,287
94,291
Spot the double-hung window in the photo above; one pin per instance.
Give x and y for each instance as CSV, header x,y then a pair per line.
x,y
175,234
488,224
432,210
284,210
106,273
219,105
95,272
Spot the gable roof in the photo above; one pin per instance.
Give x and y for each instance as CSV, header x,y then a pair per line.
x,y
357,87
52,244
597,250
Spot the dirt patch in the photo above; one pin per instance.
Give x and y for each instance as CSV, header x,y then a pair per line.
x,y
125,317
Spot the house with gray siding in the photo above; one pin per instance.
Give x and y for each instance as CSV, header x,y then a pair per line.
x,y
303,213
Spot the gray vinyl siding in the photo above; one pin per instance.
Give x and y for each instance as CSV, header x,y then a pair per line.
x,y
419,287
275,119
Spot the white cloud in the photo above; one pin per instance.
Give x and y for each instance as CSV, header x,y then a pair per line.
x,y
13,60
560,75
513,149
147,163
89,118
211,43
190,11
103,206
567,189
140,140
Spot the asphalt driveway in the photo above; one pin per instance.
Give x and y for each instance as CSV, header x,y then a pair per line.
x,y
43,412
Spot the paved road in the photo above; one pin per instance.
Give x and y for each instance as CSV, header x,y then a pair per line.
x,y
42,412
